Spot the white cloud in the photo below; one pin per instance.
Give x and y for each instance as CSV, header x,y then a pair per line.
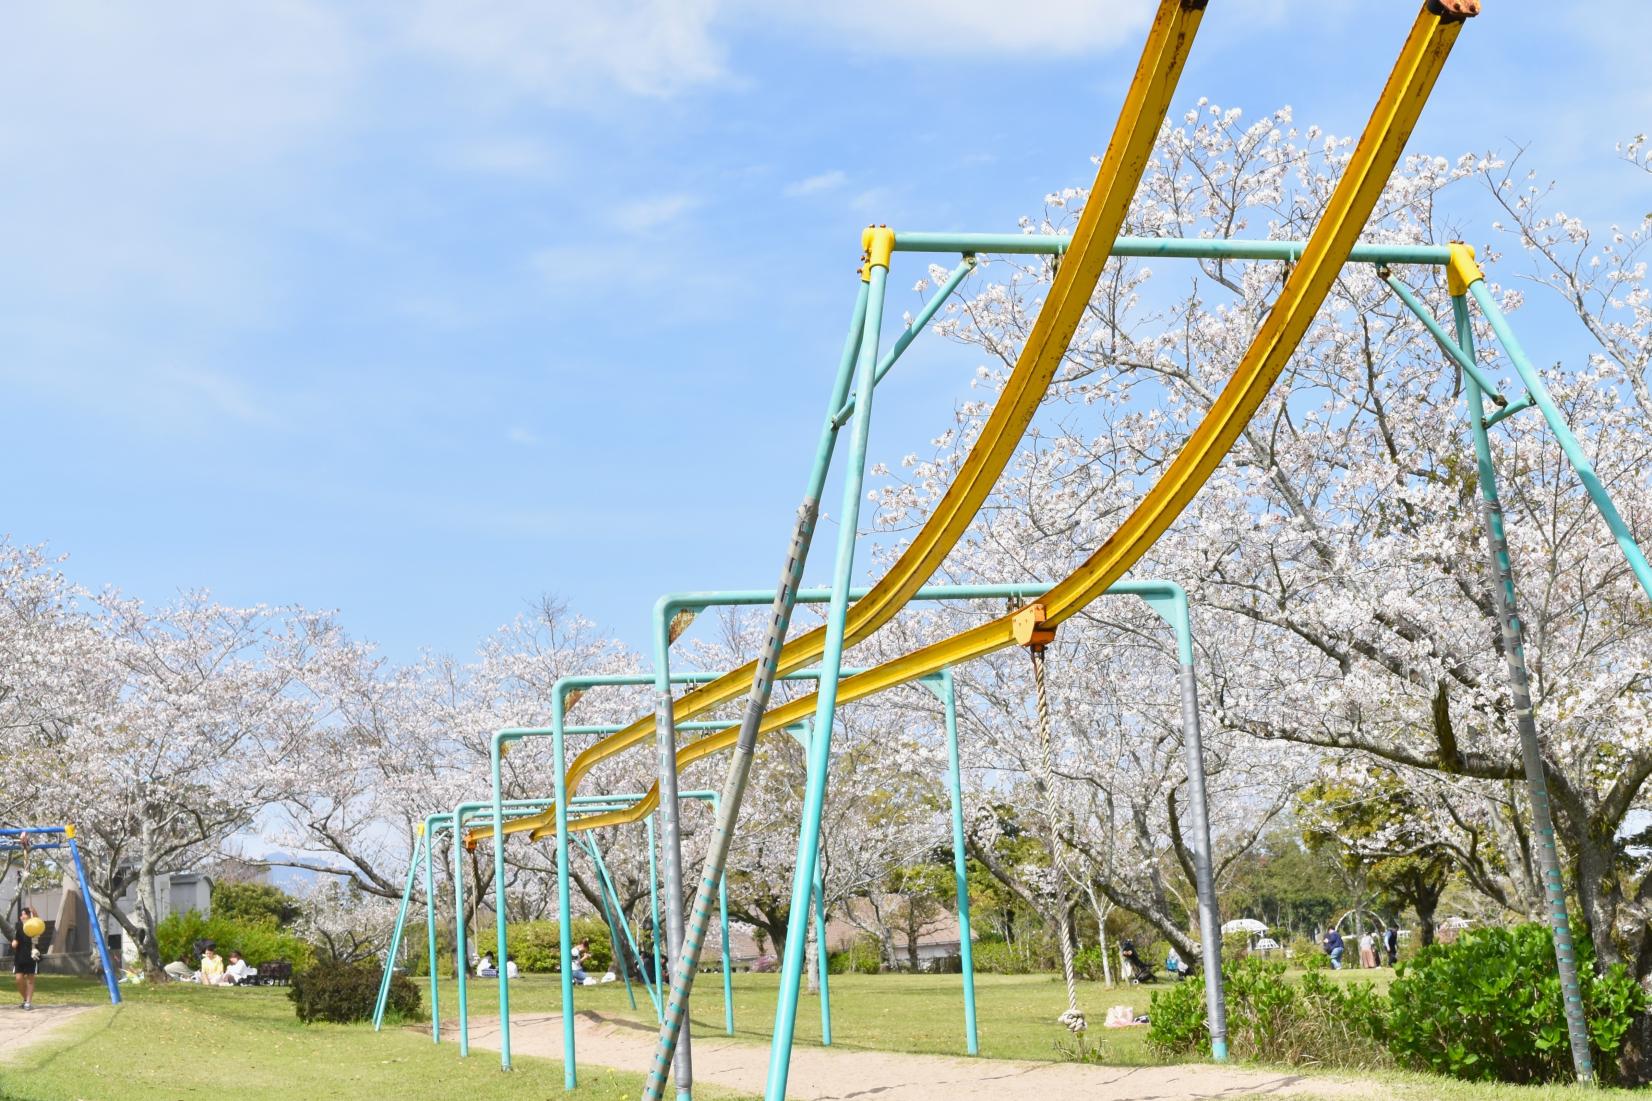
x,y
574,54
972,27
814,185
522,437
640,216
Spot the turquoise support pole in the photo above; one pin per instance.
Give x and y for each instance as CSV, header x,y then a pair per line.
x,y
685,964
461,968
1533,382
1514,654
1447,343
801,735
1044,244
615,940
565,913
624,924
501,946
396,933
722,913
430,823
960,858
820,741
821,954
460,815
910,333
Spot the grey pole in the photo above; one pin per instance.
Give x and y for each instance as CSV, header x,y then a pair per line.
x,y
1210,931
671,849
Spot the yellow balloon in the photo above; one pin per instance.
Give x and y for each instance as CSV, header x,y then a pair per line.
x,y
33,927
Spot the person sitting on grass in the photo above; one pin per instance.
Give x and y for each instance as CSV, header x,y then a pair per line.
x,y
511,971
239,970
179,971
212,966
485,968
582,954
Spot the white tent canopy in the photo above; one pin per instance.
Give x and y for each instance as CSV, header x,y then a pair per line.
x,y
1243,925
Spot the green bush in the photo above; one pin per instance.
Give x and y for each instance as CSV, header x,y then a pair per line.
x,y
1087,963
537,947
1488,1007
254,904
1235,945
997,957
864,956
347,992
1313,1021
258,942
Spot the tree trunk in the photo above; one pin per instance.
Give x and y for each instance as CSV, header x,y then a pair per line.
x,y
811,965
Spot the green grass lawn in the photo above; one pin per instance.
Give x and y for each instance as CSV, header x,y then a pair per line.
x,y
177,1041
169,1042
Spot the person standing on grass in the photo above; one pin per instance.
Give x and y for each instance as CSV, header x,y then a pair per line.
x,y
1367,950
25,958
1334,948
1391,945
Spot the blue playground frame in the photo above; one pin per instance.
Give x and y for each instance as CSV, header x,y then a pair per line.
x,y
63,837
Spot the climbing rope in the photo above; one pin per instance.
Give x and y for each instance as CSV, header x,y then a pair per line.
x,y
1036,638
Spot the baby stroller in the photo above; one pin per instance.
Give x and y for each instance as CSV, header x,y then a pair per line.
x,y
1138,970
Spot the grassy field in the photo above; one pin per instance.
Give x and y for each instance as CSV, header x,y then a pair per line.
x,y
178,1041
168,1042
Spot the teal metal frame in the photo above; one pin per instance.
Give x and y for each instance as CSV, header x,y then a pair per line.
x,y
557,731
1169,601
1459,347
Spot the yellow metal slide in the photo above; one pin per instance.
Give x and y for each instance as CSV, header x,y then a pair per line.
x,y
1117,177
1356,194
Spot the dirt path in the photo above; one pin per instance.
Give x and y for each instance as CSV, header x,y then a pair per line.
x,y
822,1074
20,1029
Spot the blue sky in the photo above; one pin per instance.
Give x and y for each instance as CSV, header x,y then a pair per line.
x,y
419,311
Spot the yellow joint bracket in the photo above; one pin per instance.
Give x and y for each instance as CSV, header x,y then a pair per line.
x,y
69,831
1462,269
879,245
421,829
1030,629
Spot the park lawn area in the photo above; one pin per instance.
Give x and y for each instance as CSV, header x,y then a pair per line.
x,y
924,1013
181,1040
900,1012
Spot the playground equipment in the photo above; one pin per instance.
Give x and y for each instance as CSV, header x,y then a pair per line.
x,y
27,839
569,688
1167,599
455,821
1315,264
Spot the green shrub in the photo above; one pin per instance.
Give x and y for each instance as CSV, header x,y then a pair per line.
x,y
1488,1007
1313,1021
864,956
537,946
258,942
1087,963
347,992
997,957
254,903
1235,945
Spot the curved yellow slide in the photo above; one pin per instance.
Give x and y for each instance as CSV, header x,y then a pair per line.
x,y
1117,177
1356,195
